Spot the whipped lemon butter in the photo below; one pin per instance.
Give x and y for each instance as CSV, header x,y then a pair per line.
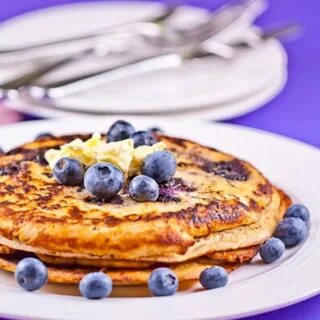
x,y
121,154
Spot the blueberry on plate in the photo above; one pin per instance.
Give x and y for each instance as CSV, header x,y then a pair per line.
x,y
160,165
103,180
143,188
143,138
272,250
44,135
214,277
291,231
31,274
163,282
298,211
120,130
68,172
95,285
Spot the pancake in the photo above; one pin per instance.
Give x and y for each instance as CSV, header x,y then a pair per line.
x,y
102,263
6,250
232,256
232,239
237,238
211,196
186,271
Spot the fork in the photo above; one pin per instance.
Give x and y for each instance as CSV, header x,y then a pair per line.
x,y
148,31
170,52
44,49
8,90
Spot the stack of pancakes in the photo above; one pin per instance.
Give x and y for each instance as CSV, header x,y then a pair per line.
x,y
216,210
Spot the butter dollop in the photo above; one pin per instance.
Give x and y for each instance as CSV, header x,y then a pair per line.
x,y
121,154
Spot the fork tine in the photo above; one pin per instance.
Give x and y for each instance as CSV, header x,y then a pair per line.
x,y
214,25
222,17
171,9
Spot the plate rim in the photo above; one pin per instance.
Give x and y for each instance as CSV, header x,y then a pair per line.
x,y
87,3
62,103
213,112
201,124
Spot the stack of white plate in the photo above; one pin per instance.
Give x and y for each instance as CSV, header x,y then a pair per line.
x,y
210,88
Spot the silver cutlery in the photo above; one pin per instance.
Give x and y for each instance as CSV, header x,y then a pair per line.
x,y
9,89
154,34
284,32
168,12
88,41
171,51
173,48
148,29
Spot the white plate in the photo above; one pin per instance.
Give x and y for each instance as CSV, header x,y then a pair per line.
x,y
209,82
225,111
253,289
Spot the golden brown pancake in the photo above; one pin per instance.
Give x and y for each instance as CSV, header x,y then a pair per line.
x,y
185,271
234,256
240,237
211,196
6,250
102,263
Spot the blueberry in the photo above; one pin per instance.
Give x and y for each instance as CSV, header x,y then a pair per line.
x,y
120,130
272,250
298,211
163,282
291,231
31,274
160,165
68,171
156,130
214,277
143,188
143,138
95,285
44,135
103,180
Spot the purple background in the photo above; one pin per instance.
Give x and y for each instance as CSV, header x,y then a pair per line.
x,y
294,113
